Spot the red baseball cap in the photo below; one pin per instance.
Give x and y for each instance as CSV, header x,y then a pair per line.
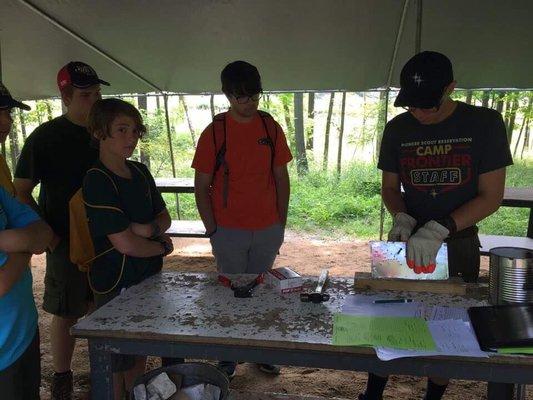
x,y
79,75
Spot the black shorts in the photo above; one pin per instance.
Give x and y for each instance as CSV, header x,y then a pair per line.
x,y
464,254
22,379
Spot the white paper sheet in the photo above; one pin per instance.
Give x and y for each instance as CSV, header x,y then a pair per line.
x,y
449,326
452,338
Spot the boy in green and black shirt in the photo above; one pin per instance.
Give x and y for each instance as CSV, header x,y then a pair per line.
x,y
125,213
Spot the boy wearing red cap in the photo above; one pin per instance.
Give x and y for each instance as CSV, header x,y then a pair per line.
x,y
57,155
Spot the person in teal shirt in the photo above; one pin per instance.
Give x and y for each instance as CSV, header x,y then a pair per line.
x,y
21,234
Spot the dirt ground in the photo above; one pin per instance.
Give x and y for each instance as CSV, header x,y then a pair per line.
x,y
307,255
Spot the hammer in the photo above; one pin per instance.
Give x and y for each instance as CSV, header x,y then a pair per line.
x,y
317,296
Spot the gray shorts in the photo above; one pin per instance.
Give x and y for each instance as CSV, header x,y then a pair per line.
x,y
240,251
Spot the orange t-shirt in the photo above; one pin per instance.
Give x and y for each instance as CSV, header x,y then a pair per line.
x,y
251,201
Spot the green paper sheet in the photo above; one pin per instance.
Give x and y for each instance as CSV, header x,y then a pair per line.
x,y
396,332
516,350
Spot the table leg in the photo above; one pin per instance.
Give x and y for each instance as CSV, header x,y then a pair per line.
x,y
500,391
101,375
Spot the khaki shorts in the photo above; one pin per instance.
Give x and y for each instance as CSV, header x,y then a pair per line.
x,y
240,251
66,289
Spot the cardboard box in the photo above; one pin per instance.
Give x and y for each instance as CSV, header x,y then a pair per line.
x,y
284,279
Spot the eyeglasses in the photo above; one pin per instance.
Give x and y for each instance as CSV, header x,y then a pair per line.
x,y
245,99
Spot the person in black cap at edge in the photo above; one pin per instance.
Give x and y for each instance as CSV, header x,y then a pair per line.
x,y
57,155
450,158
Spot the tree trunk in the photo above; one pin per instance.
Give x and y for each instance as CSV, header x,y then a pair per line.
x,y
468,99
512,117
286,101
268,103
22,124
311,117
382,120
142,102
48,110
212,105
485,98
341,134
499,101
326,136
301,158
189,122
14,147
507,113
525,145
525,122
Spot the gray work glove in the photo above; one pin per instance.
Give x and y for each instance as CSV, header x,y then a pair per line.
x,y
423,246
402,226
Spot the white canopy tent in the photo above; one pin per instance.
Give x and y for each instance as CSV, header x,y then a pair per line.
x,y
181,45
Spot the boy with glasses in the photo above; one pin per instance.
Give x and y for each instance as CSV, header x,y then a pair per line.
x,y
450,158
241,181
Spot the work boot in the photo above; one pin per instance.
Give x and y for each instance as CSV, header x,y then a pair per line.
x,y
62,386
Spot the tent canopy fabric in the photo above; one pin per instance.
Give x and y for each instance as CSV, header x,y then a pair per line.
x,y
181,45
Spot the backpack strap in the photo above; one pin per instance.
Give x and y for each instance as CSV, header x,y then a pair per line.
x,y
112,247
269,122
219,125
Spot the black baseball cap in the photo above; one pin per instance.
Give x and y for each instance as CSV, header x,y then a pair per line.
x,y
423,79
79,75
7,101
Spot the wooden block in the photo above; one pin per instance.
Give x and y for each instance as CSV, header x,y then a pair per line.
x,y
455,286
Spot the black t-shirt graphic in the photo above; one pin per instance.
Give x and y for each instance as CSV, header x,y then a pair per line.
x,y
439,165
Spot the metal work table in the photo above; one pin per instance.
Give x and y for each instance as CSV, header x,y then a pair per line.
x,y
193,316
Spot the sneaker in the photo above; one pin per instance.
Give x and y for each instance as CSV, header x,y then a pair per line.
x,y
228,367
62,386
269,369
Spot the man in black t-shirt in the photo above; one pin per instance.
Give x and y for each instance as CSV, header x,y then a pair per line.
x,y
450,159
57,155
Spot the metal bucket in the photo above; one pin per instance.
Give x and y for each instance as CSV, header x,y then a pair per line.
x,y
511,275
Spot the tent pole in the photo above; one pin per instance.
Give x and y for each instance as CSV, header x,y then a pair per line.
x,y
387,93
418,37
87,43
169,136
